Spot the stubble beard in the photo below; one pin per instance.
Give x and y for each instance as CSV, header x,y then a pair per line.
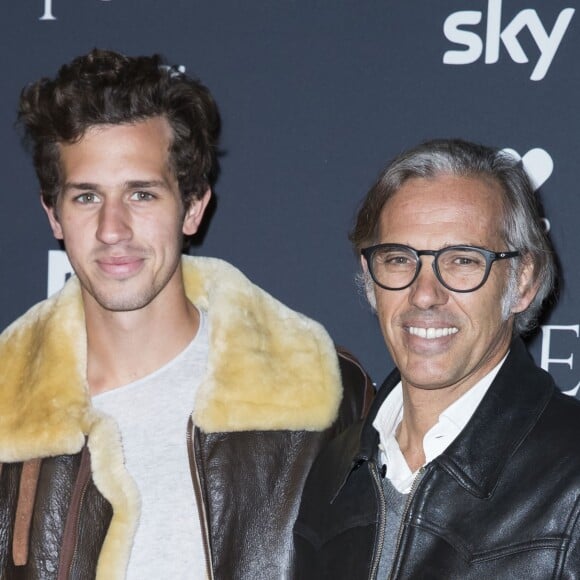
x,y
121,297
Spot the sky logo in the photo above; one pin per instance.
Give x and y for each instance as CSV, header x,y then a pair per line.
x,y
458,28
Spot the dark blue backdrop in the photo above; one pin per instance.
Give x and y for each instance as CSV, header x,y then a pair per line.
x,y
315,98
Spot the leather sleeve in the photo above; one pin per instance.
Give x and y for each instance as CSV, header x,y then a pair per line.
x,y
358,391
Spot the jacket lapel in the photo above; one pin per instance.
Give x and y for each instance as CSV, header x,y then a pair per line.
x,y
43,391
269,368
507,413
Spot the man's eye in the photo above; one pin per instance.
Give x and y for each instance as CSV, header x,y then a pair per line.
x,y
87,198
394,260
398,260
464,260
142,196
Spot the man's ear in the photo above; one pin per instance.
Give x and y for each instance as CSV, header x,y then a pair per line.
x,y
53,220
528,285
194,213
363,264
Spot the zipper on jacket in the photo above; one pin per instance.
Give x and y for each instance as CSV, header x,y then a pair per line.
x,y
69,540
199,498
412,492
382,519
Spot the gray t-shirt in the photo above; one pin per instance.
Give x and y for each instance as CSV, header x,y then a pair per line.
x,y
152,414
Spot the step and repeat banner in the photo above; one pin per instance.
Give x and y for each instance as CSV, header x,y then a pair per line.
x,y
316,97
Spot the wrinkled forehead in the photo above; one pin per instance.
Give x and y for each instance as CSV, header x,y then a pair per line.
x,y
448,209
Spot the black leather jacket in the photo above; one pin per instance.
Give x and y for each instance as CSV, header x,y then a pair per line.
x,y
503,501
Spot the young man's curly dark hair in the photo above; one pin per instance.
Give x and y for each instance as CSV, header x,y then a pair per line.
x,y
108,88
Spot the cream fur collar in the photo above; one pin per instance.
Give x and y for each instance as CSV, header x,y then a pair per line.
x,y
269,367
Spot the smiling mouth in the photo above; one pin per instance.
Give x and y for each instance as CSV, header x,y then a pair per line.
x,y
431,333
122,266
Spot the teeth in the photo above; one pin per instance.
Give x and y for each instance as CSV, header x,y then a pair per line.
x,y
431,333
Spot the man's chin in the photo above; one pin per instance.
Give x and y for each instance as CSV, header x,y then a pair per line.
x,y
121,303
428,374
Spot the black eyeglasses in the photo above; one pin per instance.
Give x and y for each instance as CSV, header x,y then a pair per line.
x,y
458,268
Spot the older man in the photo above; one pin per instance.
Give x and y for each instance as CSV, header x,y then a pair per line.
x,y
467,466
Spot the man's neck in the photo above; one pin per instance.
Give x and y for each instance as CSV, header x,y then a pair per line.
x,y
123,347
421,410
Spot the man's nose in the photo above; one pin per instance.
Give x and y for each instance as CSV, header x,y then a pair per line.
x,y
427,291
114,223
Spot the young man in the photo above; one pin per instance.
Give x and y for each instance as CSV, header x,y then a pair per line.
x,y
467,466
159,414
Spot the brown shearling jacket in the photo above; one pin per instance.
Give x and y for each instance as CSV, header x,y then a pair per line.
x,y
271,397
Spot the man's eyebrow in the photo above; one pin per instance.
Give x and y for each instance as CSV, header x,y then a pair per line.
x,y
133,184
84,186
